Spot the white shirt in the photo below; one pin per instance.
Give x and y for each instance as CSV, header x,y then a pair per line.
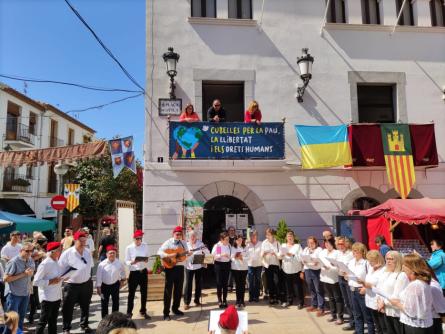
x,y
291,264
328,273
314,253
345,257
172,243
360,269
72,258
219,250
46,271
255,259
131,252
272,258
90,243
239,264
417,301
9,251
372,278
197,245
392,283
109,272
438,299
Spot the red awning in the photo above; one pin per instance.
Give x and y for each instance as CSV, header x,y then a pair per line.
x,y
409,211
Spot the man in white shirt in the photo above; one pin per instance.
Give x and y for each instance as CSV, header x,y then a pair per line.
x,y
79,287
255,267
174,277
90,240
49,282
110,277
13,247
136,258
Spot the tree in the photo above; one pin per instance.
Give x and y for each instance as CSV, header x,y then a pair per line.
x,y
282,230
99,190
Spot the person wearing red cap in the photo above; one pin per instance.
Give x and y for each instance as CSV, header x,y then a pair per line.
x,y
228,321
49,282
79,287
110,276
136,258
174,277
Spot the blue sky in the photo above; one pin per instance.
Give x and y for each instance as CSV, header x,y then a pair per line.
x,y
43,39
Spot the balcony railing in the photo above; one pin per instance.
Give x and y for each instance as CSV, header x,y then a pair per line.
x,y
56,142
16,183
19,132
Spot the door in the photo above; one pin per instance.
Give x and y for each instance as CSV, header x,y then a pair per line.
x,y
231,95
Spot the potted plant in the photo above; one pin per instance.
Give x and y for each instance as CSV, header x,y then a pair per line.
x,y
156,281
20,184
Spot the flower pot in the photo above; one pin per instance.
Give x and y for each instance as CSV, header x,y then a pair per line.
x,y
156,283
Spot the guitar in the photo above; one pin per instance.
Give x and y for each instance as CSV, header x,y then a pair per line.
x,y
181,254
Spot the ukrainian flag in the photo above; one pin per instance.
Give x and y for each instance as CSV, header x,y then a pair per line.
x,y
324,146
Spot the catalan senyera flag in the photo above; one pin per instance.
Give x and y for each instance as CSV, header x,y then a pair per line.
x,y
71,192
398,157
324,146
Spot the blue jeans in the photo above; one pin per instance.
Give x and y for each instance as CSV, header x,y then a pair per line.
x,y
18,304
361,314
313,282
254,277
347,298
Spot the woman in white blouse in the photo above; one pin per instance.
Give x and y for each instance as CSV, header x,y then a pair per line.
x,y
222,252
292,267
377,264
329,278
312,268
392,281
239,268
270,251
255,266
416,300
345,255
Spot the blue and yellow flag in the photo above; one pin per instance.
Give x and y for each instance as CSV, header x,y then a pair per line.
x,y
324,146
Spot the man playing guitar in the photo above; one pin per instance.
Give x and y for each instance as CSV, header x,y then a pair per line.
x,y
176,249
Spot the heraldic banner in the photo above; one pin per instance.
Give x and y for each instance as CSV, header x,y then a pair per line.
x,y
398,157
71,192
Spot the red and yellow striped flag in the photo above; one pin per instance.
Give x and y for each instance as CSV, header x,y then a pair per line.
x,y
72,194
398,157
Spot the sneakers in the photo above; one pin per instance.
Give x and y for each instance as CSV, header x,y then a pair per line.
x,y
284,304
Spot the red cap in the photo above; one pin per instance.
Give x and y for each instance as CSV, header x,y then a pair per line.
x,y
138,234
79,234
229,318
52,246
177,229
111,248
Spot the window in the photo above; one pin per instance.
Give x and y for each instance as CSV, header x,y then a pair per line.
x,y
86,139
437,9
240,9
231,95
32,123
12,117
376,103
204,8
53,142
70,136
336,11
52,179
407,17
29,172
371,11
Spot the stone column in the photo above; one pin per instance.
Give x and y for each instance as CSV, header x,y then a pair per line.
x,y
353,12
422,15
388,12
222,9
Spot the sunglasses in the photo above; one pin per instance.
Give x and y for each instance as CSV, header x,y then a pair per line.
x,y
138,238
29,250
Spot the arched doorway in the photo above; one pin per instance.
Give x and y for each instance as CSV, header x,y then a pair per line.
x,y
214,222
364,203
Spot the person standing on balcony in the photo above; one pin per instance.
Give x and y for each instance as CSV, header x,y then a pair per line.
x,y
216,112
188,115
253,113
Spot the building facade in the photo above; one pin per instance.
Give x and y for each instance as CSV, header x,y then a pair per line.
x,y
27,124
365,70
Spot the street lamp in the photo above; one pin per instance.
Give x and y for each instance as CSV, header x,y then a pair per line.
x,y
305,64
171,59
60,170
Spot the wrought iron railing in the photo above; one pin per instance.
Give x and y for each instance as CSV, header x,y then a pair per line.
x,y
16,183
19,132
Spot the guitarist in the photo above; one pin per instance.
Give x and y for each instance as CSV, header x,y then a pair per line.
x,y
174,277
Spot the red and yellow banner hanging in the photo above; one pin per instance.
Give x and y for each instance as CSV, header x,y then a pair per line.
x,y
398,157
71,191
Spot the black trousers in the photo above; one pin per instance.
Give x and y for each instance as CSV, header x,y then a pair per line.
x,y
273,281
137,277
2,293
76,293
393,325
379,321
48,315
335,299
240,281
416,330
189,274
437,326
222,271
174,280
108,291
33,302
294,288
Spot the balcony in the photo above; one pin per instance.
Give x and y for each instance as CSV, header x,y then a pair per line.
x,y
19,135
56,142
16,183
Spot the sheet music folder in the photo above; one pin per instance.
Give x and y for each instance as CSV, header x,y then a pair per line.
x,y
198,259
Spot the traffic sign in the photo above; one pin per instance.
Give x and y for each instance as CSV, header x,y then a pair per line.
x,y
58,202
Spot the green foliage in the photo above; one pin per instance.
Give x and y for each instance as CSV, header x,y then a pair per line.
x,y
21,182
157,266
99,190
282,230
